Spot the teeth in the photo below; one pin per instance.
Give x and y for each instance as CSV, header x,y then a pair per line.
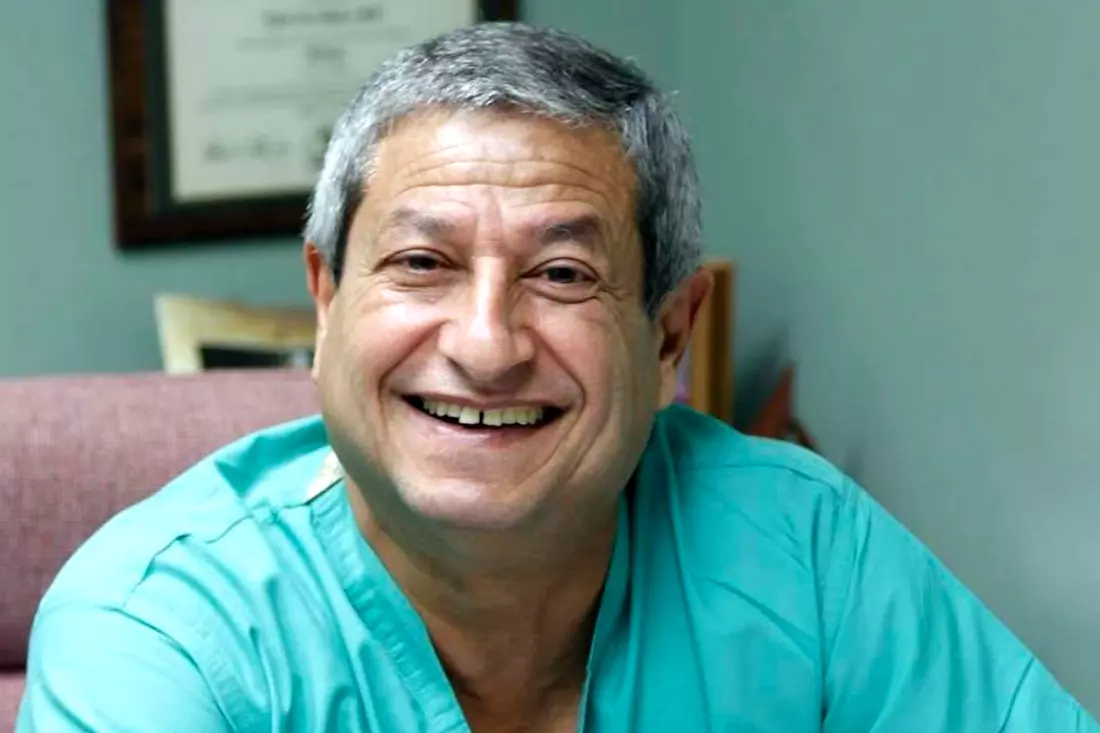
x,y
494,417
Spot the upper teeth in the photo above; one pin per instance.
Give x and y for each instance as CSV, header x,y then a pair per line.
x,y
471,416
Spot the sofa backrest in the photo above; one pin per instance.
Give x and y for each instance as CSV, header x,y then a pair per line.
x,y
74,451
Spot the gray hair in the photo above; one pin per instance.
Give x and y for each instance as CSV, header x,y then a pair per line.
x,y
537,71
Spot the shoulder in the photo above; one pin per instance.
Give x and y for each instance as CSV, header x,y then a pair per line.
x,y
213,513
736,528
188,585
719,463
744,514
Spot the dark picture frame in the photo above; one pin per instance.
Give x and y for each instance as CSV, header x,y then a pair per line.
x,y
145,214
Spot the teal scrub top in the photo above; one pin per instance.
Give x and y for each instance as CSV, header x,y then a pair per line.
x,y
752,588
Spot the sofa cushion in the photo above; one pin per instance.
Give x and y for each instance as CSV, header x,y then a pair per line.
x,y
11,692
76,450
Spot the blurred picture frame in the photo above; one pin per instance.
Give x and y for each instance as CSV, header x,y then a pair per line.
x,y
707,369
198,335
220,112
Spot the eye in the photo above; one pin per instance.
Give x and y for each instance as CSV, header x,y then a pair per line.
x,y
420,262
560,273
565,280
563,275
418,268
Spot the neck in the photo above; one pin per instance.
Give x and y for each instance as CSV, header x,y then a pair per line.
x,y
511,614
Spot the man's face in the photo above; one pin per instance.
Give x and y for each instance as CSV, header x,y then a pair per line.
x,y
486,358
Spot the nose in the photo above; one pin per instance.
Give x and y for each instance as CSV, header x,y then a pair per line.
x,y
482,337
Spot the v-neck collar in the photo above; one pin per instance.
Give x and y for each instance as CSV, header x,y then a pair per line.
x,y
383,607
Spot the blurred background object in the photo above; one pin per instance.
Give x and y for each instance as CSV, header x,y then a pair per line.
x,y
76,450
197,335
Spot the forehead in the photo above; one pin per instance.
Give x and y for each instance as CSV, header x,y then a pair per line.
x,y
442,154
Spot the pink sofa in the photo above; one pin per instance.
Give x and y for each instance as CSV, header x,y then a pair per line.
x,y
76,450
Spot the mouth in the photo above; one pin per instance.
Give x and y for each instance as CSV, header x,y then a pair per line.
x,y
526,417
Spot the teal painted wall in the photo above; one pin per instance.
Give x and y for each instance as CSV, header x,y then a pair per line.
x,y
69,302
912,190
648,31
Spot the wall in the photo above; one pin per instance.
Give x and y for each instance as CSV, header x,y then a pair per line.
x,y
911,190
647,31
69,301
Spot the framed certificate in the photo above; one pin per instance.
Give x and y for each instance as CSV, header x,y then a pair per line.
x,y
222,109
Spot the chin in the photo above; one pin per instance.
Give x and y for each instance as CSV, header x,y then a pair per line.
x,y
468,505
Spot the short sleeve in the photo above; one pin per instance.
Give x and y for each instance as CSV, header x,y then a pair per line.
x,y
908,648
101,669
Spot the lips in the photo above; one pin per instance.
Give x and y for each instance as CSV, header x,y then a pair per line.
x,y
496,417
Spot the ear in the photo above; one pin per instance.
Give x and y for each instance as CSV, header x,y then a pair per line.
x,y
674,324
322,288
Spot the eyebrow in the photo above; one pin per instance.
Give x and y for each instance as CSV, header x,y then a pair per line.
x,y
587,230
426,225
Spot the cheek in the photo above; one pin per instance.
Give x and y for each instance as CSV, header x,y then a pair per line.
x,y
610,358
385,335
638,371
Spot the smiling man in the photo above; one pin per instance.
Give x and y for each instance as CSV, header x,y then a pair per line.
x,y
500,522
